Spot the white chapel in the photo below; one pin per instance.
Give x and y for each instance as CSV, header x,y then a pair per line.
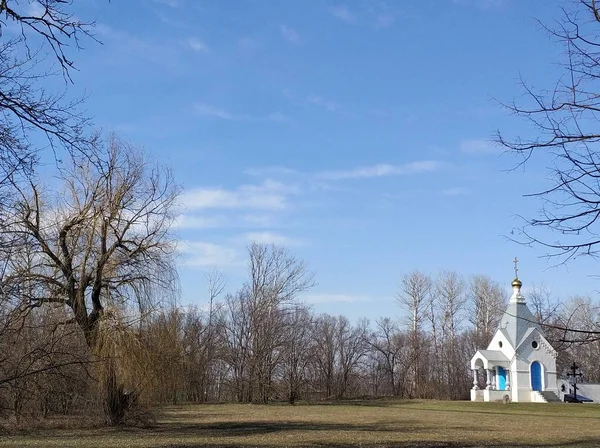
x,y
519,361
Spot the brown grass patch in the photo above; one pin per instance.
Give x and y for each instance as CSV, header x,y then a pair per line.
x,y
356,423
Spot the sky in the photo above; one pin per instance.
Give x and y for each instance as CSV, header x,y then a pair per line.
x,y
355,133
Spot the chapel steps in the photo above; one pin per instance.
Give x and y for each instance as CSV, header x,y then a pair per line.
x,y
550,397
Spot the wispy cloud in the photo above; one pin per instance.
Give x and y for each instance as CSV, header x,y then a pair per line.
x,y
481,4
248,45
169,3
265,171
479,147
342,13
217,112
334,298
196,222
202,254
318,100
290,34
385,20
280,117
382,170
455,191
35,9
269,195
211,111
197,45
268,237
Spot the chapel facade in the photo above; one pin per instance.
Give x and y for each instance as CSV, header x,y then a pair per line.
x,y
519,361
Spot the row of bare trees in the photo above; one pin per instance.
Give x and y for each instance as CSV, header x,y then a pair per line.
x,y
264,348
262,343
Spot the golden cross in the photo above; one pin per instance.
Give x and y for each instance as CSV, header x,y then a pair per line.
x,y
515,261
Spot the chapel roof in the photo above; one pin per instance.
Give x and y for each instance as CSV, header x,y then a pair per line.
x,y
517,319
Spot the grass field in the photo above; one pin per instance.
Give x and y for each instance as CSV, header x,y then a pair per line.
x,y
360,423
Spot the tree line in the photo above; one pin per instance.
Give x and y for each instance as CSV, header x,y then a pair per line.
x,y
262,343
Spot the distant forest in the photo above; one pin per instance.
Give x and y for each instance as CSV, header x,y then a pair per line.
x,y
261,344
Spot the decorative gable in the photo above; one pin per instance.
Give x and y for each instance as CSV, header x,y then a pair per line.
x,y
536,336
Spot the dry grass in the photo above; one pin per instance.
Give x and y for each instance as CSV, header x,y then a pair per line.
x,y
360,423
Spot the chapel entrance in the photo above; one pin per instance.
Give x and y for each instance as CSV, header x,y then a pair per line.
x,y
536,376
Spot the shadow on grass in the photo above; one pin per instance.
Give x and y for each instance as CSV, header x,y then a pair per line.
x,y
583,443
509,411
243,429
380,403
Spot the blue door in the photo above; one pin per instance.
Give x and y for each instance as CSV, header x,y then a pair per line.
x,y
501,378
536,376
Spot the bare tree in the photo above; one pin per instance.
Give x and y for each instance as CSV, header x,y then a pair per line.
x,y
487,303
388,343
325,354
31,31
544,306
276,279
352,347
565,122
257,317
297,351
415,297
237,340
101,246
451,301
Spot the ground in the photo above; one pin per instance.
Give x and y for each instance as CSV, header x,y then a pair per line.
x,y
372,424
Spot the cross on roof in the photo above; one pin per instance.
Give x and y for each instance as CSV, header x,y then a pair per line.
x,y
516,261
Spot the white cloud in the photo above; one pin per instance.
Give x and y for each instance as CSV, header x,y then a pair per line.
x,y
252,220
36,9
197,45
271,238
216,112
270,171
169,3
334,298
381,170
212,111
479,147
385,20
455,191
196,222
481,4
202,254
331,106
290,34
342,13
269,195
248,45
279,117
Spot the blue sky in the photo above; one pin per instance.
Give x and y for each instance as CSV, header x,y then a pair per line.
x,y
354,133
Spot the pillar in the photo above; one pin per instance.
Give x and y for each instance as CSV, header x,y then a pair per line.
x,y
489,378
475,385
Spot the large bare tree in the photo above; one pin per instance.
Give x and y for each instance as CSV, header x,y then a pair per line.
x,y
96,243
100,243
